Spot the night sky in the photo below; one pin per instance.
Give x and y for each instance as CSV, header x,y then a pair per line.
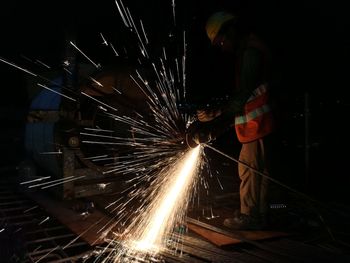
x,y
310,41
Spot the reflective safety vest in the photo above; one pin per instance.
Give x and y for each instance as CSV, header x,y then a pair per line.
x,y
257,120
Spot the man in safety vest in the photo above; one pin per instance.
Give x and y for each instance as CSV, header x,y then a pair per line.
x,y
248,111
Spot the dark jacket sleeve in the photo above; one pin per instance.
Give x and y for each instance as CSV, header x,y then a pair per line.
x,y
250,75
250,71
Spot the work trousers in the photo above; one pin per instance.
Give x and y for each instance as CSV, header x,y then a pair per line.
x,y
253,186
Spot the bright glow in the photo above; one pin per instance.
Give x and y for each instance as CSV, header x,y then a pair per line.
x,y
163,207
172,196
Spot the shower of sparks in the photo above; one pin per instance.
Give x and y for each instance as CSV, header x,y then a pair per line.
x,y
162,173
171,197
163,207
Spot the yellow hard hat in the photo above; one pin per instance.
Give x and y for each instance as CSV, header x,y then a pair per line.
x,y
215,22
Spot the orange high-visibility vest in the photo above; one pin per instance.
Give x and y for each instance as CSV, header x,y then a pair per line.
x,y
257,119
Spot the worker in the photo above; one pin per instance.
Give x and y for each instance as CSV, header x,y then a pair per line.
x,y
248,111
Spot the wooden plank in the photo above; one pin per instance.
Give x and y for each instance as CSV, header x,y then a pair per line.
x,y
214,237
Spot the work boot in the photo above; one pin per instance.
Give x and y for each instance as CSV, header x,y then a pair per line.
x,y
243,222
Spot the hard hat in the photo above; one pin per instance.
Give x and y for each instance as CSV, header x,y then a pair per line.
x,y
215,22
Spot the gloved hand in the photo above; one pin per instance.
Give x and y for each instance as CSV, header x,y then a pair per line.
x,y
204,132
197,133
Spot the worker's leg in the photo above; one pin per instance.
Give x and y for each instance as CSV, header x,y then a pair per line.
x,y
253,188
249,190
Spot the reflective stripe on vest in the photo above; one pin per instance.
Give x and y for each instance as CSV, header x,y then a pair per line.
x,y
262,89
257,121
252,115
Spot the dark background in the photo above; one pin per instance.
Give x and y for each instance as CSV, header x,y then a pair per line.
x,y
310,43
